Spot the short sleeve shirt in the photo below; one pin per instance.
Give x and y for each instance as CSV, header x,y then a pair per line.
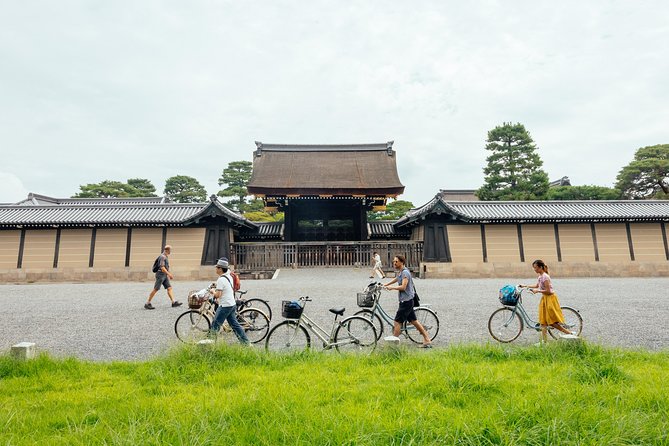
x,y
224,284
164,261
408,292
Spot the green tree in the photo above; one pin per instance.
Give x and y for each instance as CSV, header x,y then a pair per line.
x,y
514,169
106,189
647,176
143,186
264,216
394,211
185,189
582,193
236,176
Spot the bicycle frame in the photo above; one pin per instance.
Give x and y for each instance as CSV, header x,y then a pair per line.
x,y
377,309
313,327
524,316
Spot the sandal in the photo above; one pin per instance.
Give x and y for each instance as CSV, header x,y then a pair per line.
x,y
425,346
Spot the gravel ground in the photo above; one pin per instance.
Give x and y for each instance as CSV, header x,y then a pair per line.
x,y
106,321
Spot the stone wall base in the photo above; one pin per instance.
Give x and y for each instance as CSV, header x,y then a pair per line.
x,y
100,275
559,269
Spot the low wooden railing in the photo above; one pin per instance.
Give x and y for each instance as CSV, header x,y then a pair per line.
x,y
255,256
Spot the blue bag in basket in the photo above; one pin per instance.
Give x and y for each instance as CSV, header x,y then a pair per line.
x,y
509,295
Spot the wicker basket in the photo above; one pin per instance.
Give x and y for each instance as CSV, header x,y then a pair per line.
x,y
290,311
195,301
365,300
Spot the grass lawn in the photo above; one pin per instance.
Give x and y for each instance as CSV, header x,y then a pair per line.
x,y
558,394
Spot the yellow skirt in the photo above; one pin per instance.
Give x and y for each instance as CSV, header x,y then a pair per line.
x,y
549,310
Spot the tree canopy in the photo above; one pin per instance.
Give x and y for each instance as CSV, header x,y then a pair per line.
x,y
582,193
135,187
514,169
184,189
394,211
647,176
236,176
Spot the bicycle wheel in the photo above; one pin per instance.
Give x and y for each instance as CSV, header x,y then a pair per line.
x,y
261,305
505,325
428,319
572,322
375,319
355,334
288,336
192,326
255,324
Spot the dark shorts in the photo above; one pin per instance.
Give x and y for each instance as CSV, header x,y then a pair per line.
x,y
162,279
405,312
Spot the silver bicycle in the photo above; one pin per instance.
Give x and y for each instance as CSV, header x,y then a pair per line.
x,y
506,323
354,333
374,312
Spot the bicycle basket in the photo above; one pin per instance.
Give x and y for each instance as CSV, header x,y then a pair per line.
x,y
509,295
365,300
291,309
196,299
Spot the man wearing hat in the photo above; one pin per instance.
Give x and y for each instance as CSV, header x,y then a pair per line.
x,y
226,302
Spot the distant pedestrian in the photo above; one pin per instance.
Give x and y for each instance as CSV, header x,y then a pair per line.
x,y
227,306
406,290
163,277
550,313
377,266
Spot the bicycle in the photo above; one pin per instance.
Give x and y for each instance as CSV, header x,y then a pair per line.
x,y
353,333
255,302
374,312
194,325
506,323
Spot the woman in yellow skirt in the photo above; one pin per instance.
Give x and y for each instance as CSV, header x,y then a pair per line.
x,y
550,313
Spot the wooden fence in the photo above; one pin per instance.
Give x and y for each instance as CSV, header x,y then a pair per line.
x,y
255,256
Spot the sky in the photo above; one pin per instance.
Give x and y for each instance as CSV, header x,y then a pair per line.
x,y
93,90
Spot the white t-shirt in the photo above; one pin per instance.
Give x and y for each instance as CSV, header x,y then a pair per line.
x,y
224,284
377,261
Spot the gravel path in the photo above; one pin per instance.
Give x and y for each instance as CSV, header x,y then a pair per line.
x,y
105,322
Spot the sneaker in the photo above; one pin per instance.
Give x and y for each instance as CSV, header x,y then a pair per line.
x,y
539,344
148,306
176,303
568,336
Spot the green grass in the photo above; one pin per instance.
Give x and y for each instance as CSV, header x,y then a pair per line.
x,y
478,395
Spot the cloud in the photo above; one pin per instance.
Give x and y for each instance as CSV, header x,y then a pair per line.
x,y
12,189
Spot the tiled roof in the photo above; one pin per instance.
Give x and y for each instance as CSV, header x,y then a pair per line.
x,y
542,211
43,200
385,229
334,170
108,213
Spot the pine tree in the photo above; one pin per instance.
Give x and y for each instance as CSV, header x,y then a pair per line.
x,y
514,167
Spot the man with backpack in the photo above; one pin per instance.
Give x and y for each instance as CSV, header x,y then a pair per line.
x,y
161,267
227,306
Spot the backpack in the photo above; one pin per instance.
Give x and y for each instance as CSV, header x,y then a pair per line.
x,y
156,265
509,295
236,281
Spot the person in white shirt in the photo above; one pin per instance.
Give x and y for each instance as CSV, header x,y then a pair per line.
x,y
227,307
377,269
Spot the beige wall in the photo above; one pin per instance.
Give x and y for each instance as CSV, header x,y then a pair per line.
x,y
539,243
647,241
187,245
145,246
39,248
502,243
75,248
576,243
612,242
110,246
465,243
9,248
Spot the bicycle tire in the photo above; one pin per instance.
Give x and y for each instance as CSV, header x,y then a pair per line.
x,y
505,325
288,336
261,305
572,322
191,328
255,324
355,334
430,322
375,319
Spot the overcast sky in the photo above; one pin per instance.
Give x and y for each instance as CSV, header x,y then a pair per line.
x,y
95,90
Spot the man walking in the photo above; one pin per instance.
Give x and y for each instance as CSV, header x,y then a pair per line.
x,y
163,277
226,303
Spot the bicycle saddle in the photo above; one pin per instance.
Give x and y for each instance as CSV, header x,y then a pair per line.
x,y
338,311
